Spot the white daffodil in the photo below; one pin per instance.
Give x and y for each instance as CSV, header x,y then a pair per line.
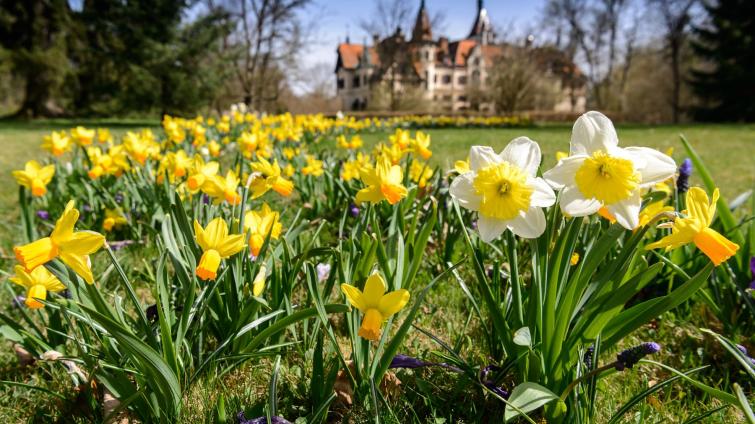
x,y
504,191
599,173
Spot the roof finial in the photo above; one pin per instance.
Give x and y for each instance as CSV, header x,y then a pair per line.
x,y
347,34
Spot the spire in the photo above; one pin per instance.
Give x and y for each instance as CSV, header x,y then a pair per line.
x,y
481,28
422,29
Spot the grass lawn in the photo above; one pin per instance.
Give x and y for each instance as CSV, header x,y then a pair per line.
x,y
728,150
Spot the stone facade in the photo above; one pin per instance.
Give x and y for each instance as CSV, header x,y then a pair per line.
x,y
441,71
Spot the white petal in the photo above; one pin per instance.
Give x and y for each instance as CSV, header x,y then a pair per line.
x,y
464,192
481,157
627,212
593,131
657,166
523,153
563,173
542,194
574,203
490,228
529,224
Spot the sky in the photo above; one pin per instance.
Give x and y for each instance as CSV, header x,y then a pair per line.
x,y
334,19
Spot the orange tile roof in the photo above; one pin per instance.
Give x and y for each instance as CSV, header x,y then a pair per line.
x,y
460,51
351,54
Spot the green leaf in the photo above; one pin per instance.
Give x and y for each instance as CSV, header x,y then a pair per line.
x,y
527,397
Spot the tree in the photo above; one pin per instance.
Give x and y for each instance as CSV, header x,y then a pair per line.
x,y
35,35
726,44
676,17
517,81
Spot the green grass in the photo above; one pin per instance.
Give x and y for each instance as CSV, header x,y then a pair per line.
x,y
726,149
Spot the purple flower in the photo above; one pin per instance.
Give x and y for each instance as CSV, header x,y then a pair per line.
x,y
744,352
405,361
19,301
752,272
490,383
87,208
685,170
152,312
354,210
117,245
205,199
118,197
260,420
629,357
43,215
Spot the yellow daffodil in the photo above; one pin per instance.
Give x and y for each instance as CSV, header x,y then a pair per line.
x,y
216,245
462,166
201,172
37,283
213,148
57,143
259,224
289,170
694,227
313,167
351,168
258,285
82,136
400,138
652,210
104,136
384,182
35,177
574,259
73,248
376,305
113,219
268,176
421,145
420,173
355,142
223,188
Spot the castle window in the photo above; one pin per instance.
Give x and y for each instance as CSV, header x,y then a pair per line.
x,y
462,98
446,79
340,83
356,81
462,79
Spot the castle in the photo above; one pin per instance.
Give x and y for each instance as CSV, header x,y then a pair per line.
x,y
441,72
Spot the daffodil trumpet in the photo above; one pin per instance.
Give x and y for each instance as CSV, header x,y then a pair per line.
x,y
376,305
216,245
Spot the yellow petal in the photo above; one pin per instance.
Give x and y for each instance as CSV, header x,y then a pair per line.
x,y
64,226
79,264
83,243
231,245
393,302
371,194
354,296
215,232
698,206
371,324
374,289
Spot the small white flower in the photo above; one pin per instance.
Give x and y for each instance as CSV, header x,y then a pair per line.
x,y
323,272
598,173
504,190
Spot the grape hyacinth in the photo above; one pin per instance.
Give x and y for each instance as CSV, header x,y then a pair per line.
x,y
629,357
260,420
744,352
685,170
354,210
490,384
43,215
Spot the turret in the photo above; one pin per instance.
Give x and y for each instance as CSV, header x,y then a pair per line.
x,y
481,30
422,31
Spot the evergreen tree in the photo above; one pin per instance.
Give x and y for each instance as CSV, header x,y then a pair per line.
x,y
727,45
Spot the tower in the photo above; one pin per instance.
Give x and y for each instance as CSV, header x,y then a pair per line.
x,y
481,30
